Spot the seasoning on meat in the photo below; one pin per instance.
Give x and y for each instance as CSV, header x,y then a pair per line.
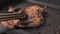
x,y
35,18
35,15
10,23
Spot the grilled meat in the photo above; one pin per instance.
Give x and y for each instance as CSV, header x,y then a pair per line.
x,y
34,18
35,15
10,23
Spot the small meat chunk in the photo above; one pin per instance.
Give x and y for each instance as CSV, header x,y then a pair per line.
x,y
10,23
10,9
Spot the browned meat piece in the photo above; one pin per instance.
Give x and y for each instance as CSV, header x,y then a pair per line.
x,y
11,9
10,23
35,18
35,15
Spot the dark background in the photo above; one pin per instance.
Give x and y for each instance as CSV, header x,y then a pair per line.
x,y
56,2
4,3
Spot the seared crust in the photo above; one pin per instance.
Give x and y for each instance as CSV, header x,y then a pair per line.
x,y
35,15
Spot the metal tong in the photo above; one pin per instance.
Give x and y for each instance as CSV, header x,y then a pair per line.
x,y
14,15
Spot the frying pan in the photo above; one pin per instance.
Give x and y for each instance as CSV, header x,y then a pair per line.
x,y
51,23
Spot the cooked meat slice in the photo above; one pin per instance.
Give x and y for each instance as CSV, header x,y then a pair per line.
x,y
10,23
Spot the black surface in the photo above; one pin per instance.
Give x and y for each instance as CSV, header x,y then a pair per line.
x,y
56,2
4,3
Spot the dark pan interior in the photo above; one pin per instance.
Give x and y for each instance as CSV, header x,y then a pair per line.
x,y
51,23
56,2
4,3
